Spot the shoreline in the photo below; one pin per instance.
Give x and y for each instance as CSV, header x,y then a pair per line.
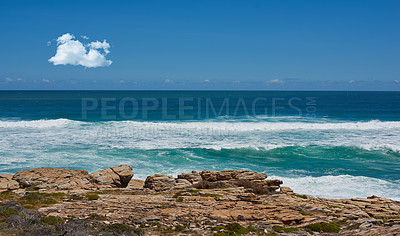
x,y
111,201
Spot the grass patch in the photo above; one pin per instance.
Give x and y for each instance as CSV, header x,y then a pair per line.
x,y
324,227
92,197
8,195
94,216
124,229
35,200
180,199
6,212
233,229
51,220
305,213
300,196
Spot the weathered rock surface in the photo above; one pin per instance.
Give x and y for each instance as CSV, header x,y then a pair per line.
x,y
52,178
116,176
213,176
183,210
159,182
7,183
192,177
135,184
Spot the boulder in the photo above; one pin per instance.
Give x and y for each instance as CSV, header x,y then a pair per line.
x,y
135,184
182,184
159,182
53,178
7,183
192,177
213,176
116,176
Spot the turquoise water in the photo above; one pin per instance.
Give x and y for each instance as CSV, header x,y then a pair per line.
x,y
330,144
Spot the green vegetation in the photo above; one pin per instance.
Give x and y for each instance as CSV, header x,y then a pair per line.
x,y
124,229
305,213
8,195
35,200
51,220
196,192
92,197
324,227
180,199
301,196
233,229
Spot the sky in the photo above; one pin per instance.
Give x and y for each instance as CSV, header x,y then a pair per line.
x,y
200,45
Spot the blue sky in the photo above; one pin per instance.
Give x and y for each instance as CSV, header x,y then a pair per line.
x,y
238,45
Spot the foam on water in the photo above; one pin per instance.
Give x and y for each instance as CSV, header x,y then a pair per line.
x,y
95,145
342,186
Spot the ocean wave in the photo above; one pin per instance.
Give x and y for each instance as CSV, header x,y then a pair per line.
x,y
222,124
342,186
38,124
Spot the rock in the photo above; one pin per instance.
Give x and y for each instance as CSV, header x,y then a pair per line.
x,y
116,176
159,182
7,183
286,190
213,176
192,177
182,183
53,178
135,183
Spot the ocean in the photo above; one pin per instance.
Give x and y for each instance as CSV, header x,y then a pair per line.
x,y
326,144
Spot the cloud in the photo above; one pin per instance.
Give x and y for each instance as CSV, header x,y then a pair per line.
x,y
276,81
84,37
73,52
351,81
396,81
168,81
8,79
206,81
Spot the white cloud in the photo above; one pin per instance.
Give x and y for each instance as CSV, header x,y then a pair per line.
x,y
45,80
73,52
206,81
8,79
84,37
351,81
396,81
168,81
276,81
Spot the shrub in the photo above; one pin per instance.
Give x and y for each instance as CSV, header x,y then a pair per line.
x,y
51,220
92,197
324,227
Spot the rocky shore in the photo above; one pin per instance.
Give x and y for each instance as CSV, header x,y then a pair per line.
x,y
49,201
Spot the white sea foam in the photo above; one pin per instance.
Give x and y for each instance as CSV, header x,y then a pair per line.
x,y
196,134
37,124
342,186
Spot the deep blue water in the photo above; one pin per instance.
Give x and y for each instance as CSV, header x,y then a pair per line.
x,y
334,144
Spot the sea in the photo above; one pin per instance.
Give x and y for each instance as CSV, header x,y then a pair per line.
x,y
326,144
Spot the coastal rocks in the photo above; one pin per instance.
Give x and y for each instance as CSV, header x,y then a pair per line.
x,y
7,183
52,178
213,176
253,181
135,184
159,182
192,177
65,179
116,176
